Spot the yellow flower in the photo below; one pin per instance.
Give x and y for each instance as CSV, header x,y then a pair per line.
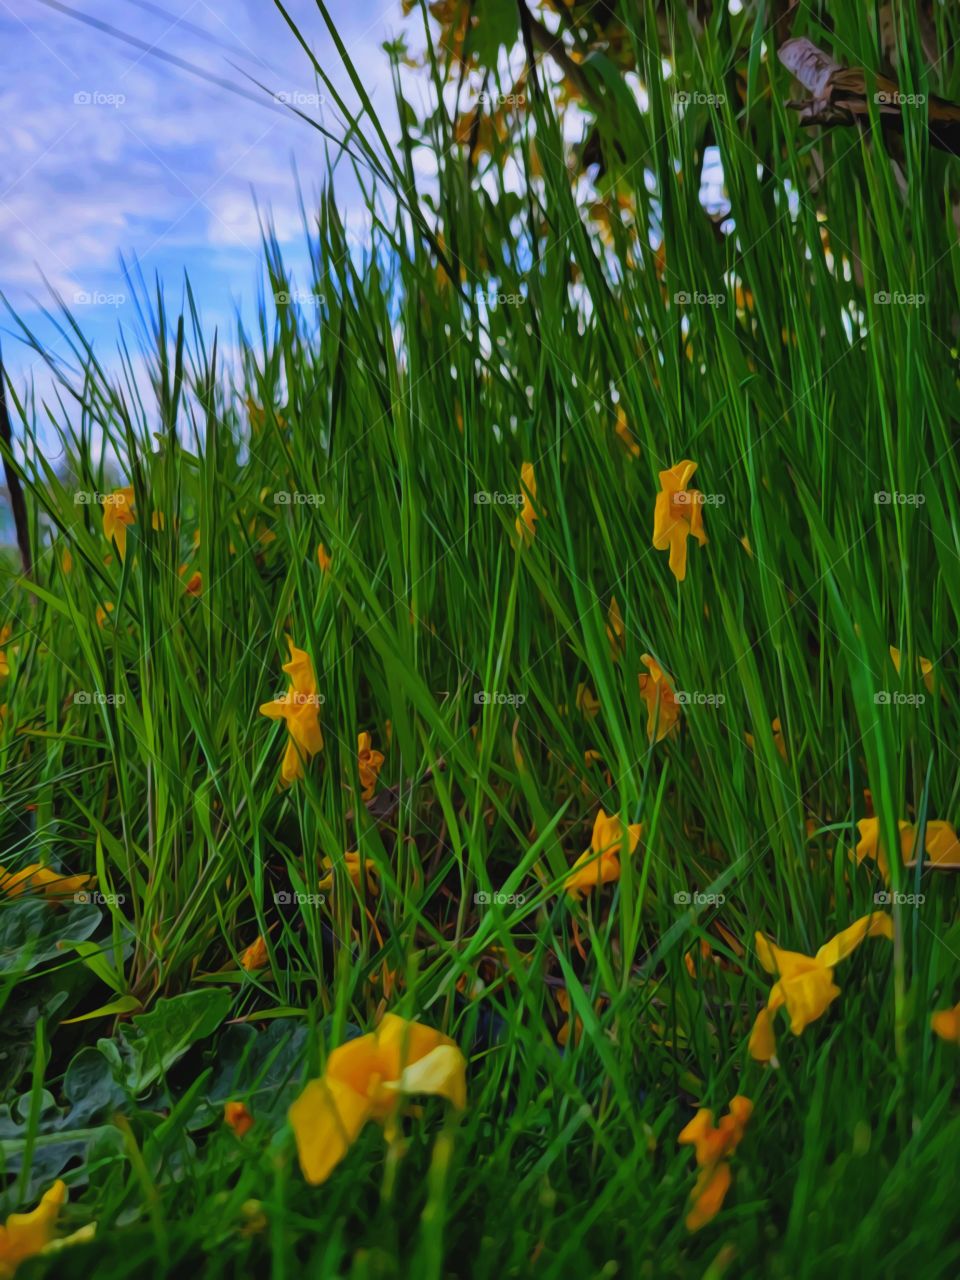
x,y
367,1079
194,584
805,983
528,514
678,515
5,633
778,741
355,867
615,629
324,558
118,513
41,880
26,1234
712,1147
299,707
237,1116
256,956
946,1024
587,701
369,764
925,665
102,613
941,846
600,864
656,689
626,435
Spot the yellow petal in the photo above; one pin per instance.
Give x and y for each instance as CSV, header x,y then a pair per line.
x,y
326,1118
442,1073
26,1234
708,1195
875,925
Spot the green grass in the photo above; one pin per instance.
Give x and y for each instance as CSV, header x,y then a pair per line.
x,y
392,401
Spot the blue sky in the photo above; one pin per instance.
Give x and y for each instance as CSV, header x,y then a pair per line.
x,y
107,150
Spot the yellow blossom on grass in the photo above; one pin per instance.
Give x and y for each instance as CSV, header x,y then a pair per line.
x,y
5,633
946,1024
24,1235
805,985
43,881
713,1146
925,665
941,846
615,629
778,741
367,1079
656,689
587,701
194,584
324,558
678,515
626,435
300,708
355,866
369,764
600,864
237,1116
528,514
103,611
256,956
118,514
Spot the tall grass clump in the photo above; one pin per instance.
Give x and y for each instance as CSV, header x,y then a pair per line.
x,y
433,463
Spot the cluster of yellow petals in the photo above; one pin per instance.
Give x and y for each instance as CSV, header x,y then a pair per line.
x,y
940,844
118,515
656,689
713,1146
369,764
25,1235
600,864
238,1117
805,985
946,1024
367,1079
41,880
299,707
677,516
256,956
355,867
528,516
